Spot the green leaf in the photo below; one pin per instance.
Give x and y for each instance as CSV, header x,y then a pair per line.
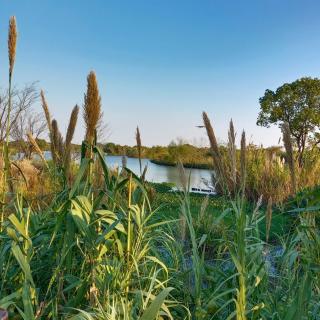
x,y
22,260
27,303
154,308
83,167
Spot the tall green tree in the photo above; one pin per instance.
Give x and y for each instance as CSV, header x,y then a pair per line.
x,y
298,104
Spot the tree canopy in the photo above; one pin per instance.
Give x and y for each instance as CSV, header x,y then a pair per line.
x,y
298,104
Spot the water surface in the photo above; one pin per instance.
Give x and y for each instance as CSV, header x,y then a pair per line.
x,y
199,178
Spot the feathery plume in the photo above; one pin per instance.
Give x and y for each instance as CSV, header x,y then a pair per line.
x,y
289,150
138,139
183,177
217,159
72,125
47,114
12,43
36,147
57,141
232,155
46,111
91,107
69,136
243,165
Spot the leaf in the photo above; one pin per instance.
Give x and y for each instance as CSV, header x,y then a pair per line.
x,y
8,300
83,167
22,260
202,240
27,303
152,311
20,227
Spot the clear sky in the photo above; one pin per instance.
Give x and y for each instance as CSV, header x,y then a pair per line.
x,y
160,63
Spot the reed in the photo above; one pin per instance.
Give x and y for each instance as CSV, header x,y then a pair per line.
x,y
46,110
219,167
124,161
12,46
69,136
243,162
57,142
106,252
289,153
139,146
232,155
268,218
91,108
36,147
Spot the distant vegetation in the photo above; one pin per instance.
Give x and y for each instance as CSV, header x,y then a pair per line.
x,y
79,240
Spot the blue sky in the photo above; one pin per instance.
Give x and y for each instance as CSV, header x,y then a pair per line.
x,y
160,63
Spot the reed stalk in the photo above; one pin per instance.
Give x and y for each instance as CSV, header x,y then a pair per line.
x,y
268,218
219,167
69,136
243,162
232,156
37,149
45,108
12,45
91,107
57,142
139,147
289,151
91,115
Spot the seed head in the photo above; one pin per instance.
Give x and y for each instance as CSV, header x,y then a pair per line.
x,y
91,107
12,43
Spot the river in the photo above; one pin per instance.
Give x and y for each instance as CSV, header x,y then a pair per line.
x,y
199,178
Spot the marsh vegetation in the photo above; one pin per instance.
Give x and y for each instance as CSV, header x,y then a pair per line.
x,y
83,241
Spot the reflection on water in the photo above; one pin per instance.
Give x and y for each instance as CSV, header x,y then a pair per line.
x,y
199,178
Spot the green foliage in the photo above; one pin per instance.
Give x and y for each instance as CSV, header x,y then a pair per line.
x,y
296,103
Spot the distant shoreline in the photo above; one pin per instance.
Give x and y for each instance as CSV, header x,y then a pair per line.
x,y
186,165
